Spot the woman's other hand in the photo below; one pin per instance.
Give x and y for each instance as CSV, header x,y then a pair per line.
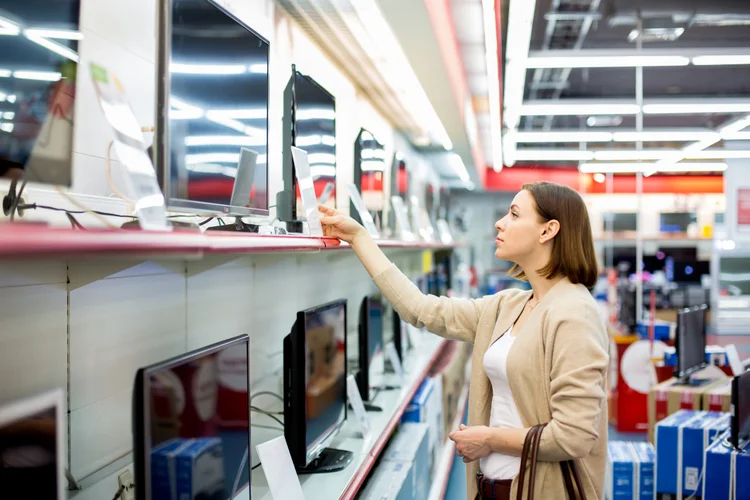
x,y
337,225
471,442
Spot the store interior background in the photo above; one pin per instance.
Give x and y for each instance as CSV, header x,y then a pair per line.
x,y
88,325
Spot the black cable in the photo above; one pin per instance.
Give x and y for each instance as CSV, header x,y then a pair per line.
x,y
273,417
33,206
266,393
255,466
206,221
17,200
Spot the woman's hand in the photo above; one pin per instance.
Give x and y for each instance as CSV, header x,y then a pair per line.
x,y
337,225
471,442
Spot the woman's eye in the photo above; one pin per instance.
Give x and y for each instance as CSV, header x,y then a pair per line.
x,y
514,214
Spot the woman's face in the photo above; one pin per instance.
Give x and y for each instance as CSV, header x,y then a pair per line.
x,y
519,232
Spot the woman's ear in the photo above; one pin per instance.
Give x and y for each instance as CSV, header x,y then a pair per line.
x,y
551,228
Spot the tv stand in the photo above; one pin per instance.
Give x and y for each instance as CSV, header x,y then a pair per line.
x,y
687,382
329,460
237,227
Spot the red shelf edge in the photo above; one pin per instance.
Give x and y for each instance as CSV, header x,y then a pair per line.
x,y
377,448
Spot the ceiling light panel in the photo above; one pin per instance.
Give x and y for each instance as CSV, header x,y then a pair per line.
x,y
551,62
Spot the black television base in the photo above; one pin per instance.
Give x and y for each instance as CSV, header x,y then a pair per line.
x,y
696,382
329,460
238,226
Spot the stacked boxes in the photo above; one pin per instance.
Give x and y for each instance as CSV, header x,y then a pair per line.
x,y
727,472
411,446
719,398
426,407
390,481
630,471
681,440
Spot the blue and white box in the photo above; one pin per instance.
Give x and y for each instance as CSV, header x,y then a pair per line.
x,y
200,470
391,481
411,444
681,440
727,472
417,411
630,471
163,468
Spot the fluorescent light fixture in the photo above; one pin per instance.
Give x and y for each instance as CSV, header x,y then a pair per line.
x,y
736,136
5,73
676,135
373,166
207,69
237,114
599,168
599,178
184,111
370,154
8,115
696,108
457,164
493,79
11,98
557,108
3,97
735,126
562,136
583,61
518,40
509,148
224,140
553,155
321,158
669,155
315,114
8,27
727,60
55,47
258,69
604,121
43,76
55,34
6,127
212,168
302,141
322,171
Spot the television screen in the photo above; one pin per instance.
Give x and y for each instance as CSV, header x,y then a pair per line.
x,y
39,44
376,358
690,271
370,167
32,448
194,407
676,222
734,276
740,431
325,372
690,343
216,93
619,222
315,133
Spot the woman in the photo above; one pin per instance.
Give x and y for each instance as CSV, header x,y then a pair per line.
x,y
540,356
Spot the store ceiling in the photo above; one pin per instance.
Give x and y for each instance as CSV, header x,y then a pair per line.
x,y
597,27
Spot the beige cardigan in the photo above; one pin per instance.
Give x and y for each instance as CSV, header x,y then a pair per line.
x,y
557,368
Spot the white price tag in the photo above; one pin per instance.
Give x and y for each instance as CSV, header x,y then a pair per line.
x,y
364,214
402,219
355,399
390,351
307,191
278,468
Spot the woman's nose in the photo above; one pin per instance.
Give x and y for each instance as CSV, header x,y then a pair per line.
x,y
499,225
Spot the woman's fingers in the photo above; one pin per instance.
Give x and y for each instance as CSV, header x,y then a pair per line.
x,y
326,210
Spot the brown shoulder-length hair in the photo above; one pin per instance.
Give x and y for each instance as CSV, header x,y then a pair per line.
x,y
573,254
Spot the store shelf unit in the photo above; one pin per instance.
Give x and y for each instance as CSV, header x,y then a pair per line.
x,y
30,240
448,453
347,483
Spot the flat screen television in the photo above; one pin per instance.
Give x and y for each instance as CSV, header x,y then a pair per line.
x,y
309,124
740,431
212,101
620,222
690,341
676,222
32,447
39,44
315,403
399,185
369,174
194,407
371,350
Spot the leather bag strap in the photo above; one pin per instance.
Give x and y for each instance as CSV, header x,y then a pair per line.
x,y
530,452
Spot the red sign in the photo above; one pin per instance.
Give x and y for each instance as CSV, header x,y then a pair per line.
x,y
743,208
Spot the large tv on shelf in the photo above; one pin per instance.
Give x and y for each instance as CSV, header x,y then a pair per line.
x,y
309,123
371,347
690,341
315,372
212,119
740,426
39,44
193,409
369,174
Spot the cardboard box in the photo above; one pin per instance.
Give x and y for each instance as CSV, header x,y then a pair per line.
x,y
718,481
200,470
681,441
719,398
436,433
416,411
411,444
630,471
391,481
668,397
163,469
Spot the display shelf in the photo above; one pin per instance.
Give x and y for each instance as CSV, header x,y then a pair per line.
x,y
347,483
447,455
31,240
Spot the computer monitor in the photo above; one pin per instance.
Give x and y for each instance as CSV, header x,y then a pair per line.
x,y
193,408
371,350
212,101
38,72
740,431
369,174
676,222
32,448
309,123
315,388
690,341
620,222
398,328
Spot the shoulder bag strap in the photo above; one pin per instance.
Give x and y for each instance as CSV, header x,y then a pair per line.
x,y
569,469
530,452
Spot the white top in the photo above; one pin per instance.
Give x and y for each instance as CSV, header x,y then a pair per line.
x,y
504,412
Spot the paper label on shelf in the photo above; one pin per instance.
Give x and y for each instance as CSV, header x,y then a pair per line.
x,y
402,219
355,399
364,214
278,468
390,351
307,191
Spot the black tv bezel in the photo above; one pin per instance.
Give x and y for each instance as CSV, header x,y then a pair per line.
x,y
679,373
398,340
161,148
363,331
142,459
286,207
295,411
734,434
